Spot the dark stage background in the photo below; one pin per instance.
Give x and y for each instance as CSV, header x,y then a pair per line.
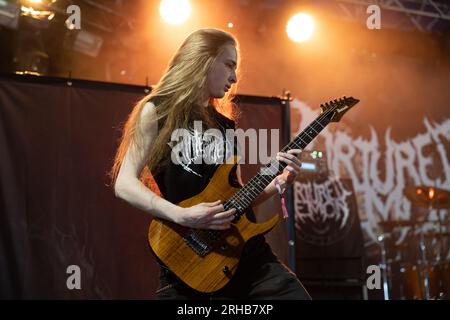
x,y
57,143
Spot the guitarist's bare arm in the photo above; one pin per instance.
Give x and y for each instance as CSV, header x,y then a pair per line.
x,y
128,187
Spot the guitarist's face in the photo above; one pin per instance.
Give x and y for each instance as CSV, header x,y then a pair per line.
x,y
222,73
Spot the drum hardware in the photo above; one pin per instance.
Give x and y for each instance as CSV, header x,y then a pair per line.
x,y
384,267
429,198
421,277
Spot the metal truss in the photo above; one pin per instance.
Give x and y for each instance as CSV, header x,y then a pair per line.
x,y
108,18
421,14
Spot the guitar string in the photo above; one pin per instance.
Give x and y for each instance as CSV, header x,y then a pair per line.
x,y
288,146
248,188
251,183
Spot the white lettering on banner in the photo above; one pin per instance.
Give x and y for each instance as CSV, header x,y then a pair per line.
x,y
327,201
321,211
380,176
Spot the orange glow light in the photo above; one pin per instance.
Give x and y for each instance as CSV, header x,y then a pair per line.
x,y
431,193
300,27
175,12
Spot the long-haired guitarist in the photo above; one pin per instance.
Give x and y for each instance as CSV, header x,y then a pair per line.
x,y
198,86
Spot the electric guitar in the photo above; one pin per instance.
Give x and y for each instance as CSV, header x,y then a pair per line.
x,y
206,260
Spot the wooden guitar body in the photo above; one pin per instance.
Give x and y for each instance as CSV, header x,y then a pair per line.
x,y
205,260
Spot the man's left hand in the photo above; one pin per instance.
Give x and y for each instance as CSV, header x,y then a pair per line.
x,y
292,169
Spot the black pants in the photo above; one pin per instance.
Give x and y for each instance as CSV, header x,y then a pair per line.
x,y
260,275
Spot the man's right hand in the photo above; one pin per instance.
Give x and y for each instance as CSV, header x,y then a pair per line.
x,y
206,215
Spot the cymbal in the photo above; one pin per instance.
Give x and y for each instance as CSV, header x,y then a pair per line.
x,y
428,197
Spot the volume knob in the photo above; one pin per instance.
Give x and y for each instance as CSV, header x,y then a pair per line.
x,y
226,270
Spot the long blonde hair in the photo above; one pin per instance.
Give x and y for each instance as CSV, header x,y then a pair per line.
x,y
177,95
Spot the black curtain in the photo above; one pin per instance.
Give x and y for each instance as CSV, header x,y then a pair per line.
x,y
57,143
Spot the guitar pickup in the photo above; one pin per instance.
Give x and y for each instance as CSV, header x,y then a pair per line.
x,y
197,244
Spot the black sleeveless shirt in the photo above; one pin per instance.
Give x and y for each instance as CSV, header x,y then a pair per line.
x,y
192,173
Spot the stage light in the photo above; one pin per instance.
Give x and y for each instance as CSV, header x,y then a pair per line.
x,y
37,2
230,25
309,166
316,154
37,9
175,11
314,164
300,27
37,14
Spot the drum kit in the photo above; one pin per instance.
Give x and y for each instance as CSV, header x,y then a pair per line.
x,y
415,260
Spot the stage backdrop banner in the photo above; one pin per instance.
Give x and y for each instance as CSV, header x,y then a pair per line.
x,y
58,214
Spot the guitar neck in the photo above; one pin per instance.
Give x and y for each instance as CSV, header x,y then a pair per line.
x,y
242,199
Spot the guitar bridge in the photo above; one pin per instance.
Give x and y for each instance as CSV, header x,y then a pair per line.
x,y
197,244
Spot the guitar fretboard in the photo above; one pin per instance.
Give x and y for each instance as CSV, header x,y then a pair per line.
x,y
242,199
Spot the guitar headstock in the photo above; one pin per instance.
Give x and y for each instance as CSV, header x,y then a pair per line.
x,y
339,107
